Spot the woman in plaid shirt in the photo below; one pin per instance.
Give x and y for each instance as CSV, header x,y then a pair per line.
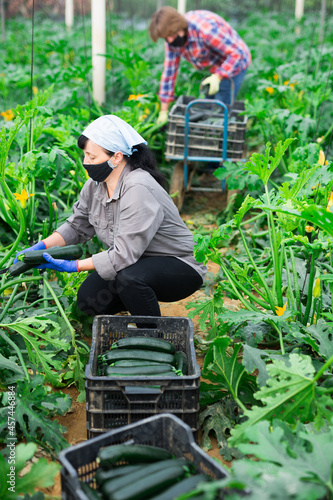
x,y
207,41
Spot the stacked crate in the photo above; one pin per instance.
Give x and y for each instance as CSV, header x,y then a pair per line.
x,y
115,401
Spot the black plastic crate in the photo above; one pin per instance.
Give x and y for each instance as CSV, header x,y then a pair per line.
x,y
165,431
205,137
113,402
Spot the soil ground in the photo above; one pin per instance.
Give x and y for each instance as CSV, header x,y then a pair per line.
x,y
200,210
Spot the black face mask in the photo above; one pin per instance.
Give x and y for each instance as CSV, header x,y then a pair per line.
x,y
100,171
179,41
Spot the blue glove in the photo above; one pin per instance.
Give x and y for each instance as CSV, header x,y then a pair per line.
x,y
38,246
62,265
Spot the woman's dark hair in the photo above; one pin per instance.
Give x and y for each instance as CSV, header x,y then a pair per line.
x,y
142,158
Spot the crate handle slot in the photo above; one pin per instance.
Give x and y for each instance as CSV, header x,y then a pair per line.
x,y
150,394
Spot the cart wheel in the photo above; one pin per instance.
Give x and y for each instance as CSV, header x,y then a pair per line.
x,y
177,185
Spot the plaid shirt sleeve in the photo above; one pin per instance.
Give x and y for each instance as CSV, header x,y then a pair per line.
x,y
221,39
169,75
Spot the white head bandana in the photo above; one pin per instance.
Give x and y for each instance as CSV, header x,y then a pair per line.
x,y
114,134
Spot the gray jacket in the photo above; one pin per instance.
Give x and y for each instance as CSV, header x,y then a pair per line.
x,y
139,220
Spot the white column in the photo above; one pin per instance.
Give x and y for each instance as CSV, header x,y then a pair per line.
x,y
69,13
322,20
2,8
98,47
299,9
181,6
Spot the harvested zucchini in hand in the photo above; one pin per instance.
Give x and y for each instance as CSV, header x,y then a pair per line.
x,y
136,453
70,252
35,257
147,343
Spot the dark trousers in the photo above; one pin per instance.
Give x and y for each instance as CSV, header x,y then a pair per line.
x,y
139,287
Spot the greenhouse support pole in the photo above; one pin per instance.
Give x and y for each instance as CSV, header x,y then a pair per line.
x,y
69,14
98,22
322,20
299,9
181,6
2,7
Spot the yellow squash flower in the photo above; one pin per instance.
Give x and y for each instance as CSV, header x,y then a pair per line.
x,y
316,289
270,90
275,77
286,82
280,310
8,115
321,159
330,203
134,97
34,90
309,229
23,197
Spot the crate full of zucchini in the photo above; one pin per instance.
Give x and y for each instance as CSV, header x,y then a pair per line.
x,y
154,459
138,367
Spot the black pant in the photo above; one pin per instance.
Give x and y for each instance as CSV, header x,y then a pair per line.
x,y
139,287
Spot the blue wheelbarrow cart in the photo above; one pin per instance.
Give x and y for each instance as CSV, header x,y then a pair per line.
x,y
202,131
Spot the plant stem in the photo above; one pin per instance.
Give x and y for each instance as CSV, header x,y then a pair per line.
x,y
274,249
280,336
290,289
322,370
18,352
310,289
61,310
269,297
9,303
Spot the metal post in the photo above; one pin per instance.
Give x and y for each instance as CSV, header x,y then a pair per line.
x,y
2,7
322,20
181,6
299,9
69,14
98,23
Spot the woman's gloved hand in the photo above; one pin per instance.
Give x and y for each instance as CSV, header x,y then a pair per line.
x,y
38,246
62,265
162,118
214,84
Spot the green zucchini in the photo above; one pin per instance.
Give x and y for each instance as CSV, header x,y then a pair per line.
x,y
118,354
138,370
19,268
184,486
102,476
132,454
181,362
89,491
147,343
35,257
124,363
149,485
70,252
109,487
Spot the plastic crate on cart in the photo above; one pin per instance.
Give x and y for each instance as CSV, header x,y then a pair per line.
x,y
205,138
117,401
164,430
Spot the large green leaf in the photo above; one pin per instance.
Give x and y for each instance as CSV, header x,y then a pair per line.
x,y
214,419
38,332
223,368
40,475
35,404
290,394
